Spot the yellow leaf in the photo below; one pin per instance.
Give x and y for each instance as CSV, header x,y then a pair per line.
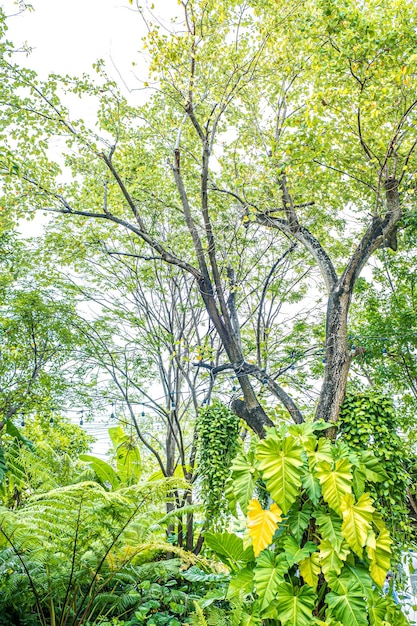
x,y
310,569
262,524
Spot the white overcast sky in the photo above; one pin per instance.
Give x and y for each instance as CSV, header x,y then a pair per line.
x,y
67,36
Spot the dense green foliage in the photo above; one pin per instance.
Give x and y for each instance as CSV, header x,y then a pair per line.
x,y
218,430
219,227
368,422
320,552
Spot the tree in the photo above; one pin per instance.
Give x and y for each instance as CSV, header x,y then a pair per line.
x,y
267,126
306,114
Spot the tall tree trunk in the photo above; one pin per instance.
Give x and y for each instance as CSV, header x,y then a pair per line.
x,y
338,357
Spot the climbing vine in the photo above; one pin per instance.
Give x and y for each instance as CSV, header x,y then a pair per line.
x,y
218,430
368,421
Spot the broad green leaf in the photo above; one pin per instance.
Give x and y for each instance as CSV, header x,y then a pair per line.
x,y
243,481
374,471
310,570
229,548
250,620
196,575
298,520
360,574
335,483
268,574
295,553
295,604
319,453
117,435
356,521
378,550
332,556
349,607
262,524
311,485
104,471
128,461
280,461
241,583
359,481
330,526
378,610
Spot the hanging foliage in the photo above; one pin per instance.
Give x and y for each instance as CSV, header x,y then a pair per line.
x,y
218,430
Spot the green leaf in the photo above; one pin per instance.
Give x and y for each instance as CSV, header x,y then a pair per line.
x,y
311,485
349,607
229,548
378,550
196,575
104,471
128,461
241,582
243,479
332,556
360,574
268,574
298,520
117,435
294,553
295,604
3,466
335,483
280,461
319,453
330,526
374,471
356,521
359,477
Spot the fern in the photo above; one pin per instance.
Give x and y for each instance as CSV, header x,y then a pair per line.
x,y
76,546
197,618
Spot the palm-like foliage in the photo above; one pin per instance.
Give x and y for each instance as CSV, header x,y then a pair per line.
x,y
70,556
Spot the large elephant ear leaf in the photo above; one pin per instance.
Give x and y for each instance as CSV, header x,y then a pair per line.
x,y
335,481
269,573
230,549
104,472
243,480
295,605
280,461
262,524
349,606
378,550
356,521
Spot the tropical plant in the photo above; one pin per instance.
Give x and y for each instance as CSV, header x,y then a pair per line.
x,y
75,555
320,551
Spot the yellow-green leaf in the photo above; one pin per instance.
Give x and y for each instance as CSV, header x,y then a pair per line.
x,y
262,524
335,482
310,570
379,552
279,462
332,556
356,521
